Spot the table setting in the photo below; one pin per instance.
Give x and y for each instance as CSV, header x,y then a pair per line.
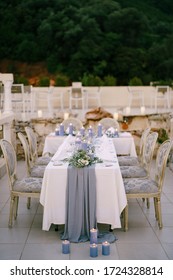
x,y
123,141
79,176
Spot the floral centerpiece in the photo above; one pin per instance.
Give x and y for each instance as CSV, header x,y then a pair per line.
x,y
82,158
112,132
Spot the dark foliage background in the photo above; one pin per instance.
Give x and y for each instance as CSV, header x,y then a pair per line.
x,y
122,39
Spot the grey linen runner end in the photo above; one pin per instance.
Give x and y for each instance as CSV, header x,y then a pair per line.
x,y
80,204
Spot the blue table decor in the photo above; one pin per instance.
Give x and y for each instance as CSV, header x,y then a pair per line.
x,y
93,236
106,248
61,130
93,250
99,130
65,247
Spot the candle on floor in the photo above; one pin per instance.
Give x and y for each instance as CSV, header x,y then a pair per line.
x,y
99,132
40,113
23,116
106,248
127,110
93,250
93,236
66,115
66,247
116,116
61,129
142,110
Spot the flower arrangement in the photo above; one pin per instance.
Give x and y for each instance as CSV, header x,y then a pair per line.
x,y
82,158
111,132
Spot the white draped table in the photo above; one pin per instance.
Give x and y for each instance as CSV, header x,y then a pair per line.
x,y
124,144
110,193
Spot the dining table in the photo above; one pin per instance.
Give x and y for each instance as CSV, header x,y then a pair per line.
x,y
124,144
110,193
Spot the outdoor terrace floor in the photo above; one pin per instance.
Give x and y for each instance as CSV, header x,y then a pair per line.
x,y
143,241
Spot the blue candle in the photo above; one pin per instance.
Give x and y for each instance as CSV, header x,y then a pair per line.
x,y
99,132
93,236
56,131
71,129
78,141
82,131
61,130
90,131
66,247
84,145
116,133
106,248
93,250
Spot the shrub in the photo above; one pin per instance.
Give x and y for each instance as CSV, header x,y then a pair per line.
x,y
110,81
91,80
61,80
135,82
21,80
44,82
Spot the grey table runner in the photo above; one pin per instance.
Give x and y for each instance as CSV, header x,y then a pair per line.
x,y
80,204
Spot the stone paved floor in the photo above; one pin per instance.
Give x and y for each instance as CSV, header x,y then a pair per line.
x,y
143,241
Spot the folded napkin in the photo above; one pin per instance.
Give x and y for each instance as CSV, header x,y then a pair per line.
x,y
64,149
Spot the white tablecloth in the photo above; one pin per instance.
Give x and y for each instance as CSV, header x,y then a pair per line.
x,y
124,144
110,193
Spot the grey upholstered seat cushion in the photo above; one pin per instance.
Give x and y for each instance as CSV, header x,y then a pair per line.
x,y
133,172
42,160
28,184
135,186
128,160
38,171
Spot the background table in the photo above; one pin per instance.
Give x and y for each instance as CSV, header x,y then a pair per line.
x,y
110,193
124,144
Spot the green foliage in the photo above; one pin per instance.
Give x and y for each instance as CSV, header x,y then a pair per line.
x,y
162,136
135,82
62,80
110,81
123,39
44,82
91,80
20,80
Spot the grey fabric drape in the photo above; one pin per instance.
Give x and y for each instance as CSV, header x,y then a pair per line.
x,y
80,204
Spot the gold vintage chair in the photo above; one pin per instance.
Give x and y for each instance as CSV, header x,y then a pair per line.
x,y
109,122
142,170
130,160
28,187
32,170
149,187
32,139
